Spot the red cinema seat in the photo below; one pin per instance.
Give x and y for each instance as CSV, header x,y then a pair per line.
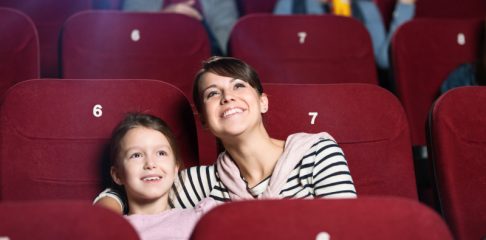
x,y
19,49
114,44
424,52
322,219
367,121
305,48
46,220
458,147
48,16
54,133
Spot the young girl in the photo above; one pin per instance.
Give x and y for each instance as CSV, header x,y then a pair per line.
x,y
230,100
144,165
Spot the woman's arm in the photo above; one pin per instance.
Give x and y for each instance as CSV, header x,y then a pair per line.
x,y
331,175
192,185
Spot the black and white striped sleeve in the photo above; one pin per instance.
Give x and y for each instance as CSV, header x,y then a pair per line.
x,y
331,176
192,185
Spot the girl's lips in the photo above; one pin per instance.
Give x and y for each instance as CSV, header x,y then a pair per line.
x,y
151,178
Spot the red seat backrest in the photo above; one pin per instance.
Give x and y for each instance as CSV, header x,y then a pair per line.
x,y
54,133
424,52
19,49
367,121
458,146
62,220
48,16
304,48
114,44
361,218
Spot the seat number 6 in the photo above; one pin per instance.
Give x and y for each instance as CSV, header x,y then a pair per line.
x,y
97,112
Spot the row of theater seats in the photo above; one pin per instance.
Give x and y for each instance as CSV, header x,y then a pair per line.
x,y
379,218
283,49
49,16
54,135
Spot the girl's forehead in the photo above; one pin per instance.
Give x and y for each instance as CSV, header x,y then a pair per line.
x,y
141,133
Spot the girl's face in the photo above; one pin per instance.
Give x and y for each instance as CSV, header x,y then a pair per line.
x,y
146,165
230,106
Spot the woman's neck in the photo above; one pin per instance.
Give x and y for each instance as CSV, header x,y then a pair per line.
x,y
255,155
148,207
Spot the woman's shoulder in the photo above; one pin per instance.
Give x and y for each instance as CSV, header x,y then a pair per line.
x,y
313,137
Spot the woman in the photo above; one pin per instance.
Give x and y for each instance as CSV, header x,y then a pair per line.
x,y
229,97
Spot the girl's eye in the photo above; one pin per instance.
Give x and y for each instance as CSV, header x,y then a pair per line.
x,y
162,153
135,155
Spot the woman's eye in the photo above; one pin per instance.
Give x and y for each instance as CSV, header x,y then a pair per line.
x,y
239,85
211,94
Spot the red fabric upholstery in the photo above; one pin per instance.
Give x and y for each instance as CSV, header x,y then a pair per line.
x,y
103,44
451,8
361,218
45,220
256,6
424,52
305,48
458,130
48,16
54,133
19,49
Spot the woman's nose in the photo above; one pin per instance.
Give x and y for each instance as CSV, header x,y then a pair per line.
x,y
227,96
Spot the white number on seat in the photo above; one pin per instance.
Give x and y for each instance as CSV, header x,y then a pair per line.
x,y
302,36
313,115
97,112
135,36
323,236
461,39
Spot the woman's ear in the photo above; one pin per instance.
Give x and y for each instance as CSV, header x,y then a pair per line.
x,y
115,175
264,103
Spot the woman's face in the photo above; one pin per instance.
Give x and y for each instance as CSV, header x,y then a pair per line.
x,y
230,106
146,164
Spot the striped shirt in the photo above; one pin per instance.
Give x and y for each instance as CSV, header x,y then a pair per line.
x,y
321,173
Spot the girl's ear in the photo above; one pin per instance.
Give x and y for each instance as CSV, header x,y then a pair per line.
x,y
115,175
263,103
